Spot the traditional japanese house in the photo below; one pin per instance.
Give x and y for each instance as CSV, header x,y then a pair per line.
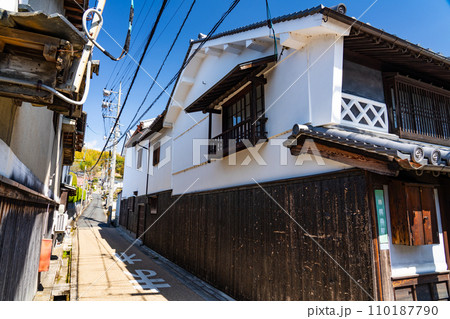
x,y
41,46
325,171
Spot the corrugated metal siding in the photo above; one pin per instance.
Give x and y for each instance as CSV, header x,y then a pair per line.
x,y
22,225
243,243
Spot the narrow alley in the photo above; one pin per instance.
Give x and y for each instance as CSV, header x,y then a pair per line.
x,y
103,273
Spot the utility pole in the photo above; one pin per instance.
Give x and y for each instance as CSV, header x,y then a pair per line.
x,y
84,179
116,133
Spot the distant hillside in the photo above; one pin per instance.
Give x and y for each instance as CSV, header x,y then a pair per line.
x,y
90,158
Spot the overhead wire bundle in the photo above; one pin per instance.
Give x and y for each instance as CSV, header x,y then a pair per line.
x,y
270,25
126,46
174,78
162,65
150,37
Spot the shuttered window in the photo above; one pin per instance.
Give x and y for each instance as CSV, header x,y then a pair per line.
x,y
413,214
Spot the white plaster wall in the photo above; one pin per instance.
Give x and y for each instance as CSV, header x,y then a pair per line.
x,y
10,5
288,92
46,6
412,260
278,164
134,179
160,176
32,139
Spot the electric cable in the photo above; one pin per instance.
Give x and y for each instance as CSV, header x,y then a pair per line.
x,y
126,46
147,15
175,77
150,37
270,25
163,63
151,46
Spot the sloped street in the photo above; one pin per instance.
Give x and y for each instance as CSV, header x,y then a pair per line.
x,y
103,273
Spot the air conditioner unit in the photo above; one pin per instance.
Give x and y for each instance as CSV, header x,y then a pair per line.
x,y
61,223
68,179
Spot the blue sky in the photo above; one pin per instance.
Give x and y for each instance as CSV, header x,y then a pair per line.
x,y
421,22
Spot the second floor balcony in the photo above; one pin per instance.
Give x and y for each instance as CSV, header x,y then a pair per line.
x,y
413,110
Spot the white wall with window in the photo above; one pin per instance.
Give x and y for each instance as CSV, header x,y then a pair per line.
x,y
160,162
134,171
305,88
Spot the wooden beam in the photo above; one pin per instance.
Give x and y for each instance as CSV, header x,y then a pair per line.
x,y
213,51
13,190
214,111
257,45
27,39
348,157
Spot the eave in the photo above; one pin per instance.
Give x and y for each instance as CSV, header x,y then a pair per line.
x,y
236,78
35,49
369,152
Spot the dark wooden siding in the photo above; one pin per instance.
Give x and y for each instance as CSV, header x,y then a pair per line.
x,y
243,243
22,226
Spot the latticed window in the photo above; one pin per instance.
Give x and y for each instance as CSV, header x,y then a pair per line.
x,y
243,117
418,110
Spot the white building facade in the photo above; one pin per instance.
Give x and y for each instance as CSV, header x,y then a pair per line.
x,y
355,110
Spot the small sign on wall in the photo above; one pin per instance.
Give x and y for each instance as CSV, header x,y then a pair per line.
x,y
46,252
382,220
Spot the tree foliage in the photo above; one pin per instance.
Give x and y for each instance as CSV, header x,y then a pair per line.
x,y
88,157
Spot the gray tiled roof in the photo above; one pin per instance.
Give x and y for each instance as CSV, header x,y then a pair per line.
x,y
286,17
410,154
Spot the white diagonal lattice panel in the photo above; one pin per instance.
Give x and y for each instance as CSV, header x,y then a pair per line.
x,y
363,113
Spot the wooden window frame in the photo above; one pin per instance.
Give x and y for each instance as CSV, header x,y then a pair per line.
x,y
430,280
417,110
413,214
244,129
156,154
139,157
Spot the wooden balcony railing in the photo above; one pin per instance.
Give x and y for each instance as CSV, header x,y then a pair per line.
x,y
232,140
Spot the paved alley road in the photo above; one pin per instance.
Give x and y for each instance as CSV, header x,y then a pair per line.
x,y
103,276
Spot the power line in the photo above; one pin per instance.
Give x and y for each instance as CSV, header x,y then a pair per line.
x,y
153,43
175,77
150,37
163,63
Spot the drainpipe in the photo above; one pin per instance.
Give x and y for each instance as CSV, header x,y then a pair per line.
x,y
148,167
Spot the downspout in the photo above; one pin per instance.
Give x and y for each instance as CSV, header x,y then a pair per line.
x,y
148,167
